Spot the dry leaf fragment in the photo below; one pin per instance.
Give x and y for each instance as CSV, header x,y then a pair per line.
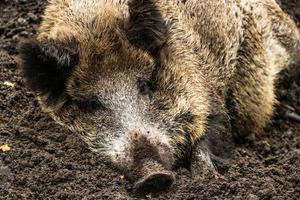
x,y
9,84
121,178
4,148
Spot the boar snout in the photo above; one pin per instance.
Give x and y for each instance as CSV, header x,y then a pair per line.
x,y
153,178
151,165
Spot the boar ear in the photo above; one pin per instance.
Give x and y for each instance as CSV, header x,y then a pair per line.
x,y
46,66
146,27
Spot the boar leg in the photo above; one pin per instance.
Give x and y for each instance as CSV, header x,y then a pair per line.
x,y
251,97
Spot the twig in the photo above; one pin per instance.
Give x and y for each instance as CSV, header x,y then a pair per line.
x,y
293,116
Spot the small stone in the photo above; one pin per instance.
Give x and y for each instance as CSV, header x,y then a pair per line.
x,y
32,17
252,197
15,38
21,21
24,34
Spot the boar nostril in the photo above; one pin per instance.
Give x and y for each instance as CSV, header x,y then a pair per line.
x,y
154,178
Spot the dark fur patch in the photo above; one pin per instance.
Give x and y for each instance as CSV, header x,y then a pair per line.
x,y
217,140
46,66
145,87
146,27
186,118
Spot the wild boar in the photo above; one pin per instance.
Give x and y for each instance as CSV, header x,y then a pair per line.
x,y
155,84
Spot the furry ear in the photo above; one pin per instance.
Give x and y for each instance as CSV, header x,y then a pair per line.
x,y
46,67
146,27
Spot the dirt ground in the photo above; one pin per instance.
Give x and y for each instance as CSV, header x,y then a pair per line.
x,y
47,161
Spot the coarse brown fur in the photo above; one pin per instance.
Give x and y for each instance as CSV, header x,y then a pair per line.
x,y
201,67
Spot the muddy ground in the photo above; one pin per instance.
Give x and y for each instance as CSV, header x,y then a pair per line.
x,y
47,161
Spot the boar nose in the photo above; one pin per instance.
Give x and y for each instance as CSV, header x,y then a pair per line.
x,y
154,178
152,168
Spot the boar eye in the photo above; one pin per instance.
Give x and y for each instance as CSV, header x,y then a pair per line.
x,y
88,105
145,87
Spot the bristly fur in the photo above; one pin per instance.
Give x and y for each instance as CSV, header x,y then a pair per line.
x,y
46,67
207,68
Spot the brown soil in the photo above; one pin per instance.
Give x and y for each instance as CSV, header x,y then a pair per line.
x,y
47,161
